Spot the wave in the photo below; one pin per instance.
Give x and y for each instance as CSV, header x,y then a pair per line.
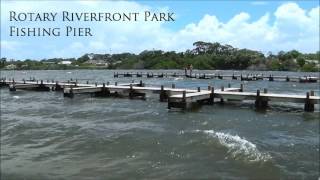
x,y
238,148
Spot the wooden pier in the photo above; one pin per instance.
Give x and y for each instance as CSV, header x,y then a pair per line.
x,y
176,97
242,77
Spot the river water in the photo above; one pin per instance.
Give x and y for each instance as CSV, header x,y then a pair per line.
x,y
47,136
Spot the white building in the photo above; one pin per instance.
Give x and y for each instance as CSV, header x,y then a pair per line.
x,y
65,62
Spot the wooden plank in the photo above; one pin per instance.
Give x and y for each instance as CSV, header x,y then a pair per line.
x,y
25,86
272,97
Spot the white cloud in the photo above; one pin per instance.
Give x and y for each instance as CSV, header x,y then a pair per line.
x,y
292,28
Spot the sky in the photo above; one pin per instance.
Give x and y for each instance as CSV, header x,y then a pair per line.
x,y
266,26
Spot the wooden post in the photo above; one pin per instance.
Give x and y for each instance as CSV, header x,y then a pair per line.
x,y
116,83
229,85
198,89
87,82
270,77
241,88
233,76
173,86
141,84
163,94
258,101
209,88
108,83
211,100
308,106
70,94
57,87
184,100
261,102
96,84
131,92
222,100
184,96
287,79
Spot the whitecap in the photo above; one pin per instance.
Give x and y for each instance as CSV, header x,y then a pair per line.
x,y
239,148
69,72
179,78
16,97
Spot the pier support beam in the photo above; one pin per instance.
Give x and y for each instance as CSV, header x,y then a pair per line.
x,y
163,94
234,77
309,106
210,101
42,87
134,94
182,104
287,79
58,87
104,92
271,78
261,102
12,87
221,99
69,94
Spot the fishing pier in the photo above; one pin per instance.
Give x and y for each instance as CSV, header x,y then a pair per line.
x,y
175,97
241,77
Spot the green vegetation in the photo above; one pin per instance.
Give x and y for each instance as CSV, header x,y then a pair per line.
x,y
204,55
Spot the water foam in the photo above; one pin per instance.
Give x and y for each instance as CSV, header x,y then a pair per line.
x,y
239,148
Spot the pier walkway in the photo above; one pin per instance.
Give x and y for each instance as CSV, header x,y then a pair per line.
x,y
176,97
242,77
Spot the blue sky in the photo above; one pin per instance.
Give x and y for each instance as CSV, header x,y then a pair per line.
x,y
261,25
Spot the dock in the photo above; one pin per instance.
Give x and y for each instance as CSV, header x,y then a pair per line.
x,y
241,77
175,97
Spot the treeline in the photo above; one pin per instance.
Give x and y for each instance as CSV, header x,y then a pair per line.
x,y
204,55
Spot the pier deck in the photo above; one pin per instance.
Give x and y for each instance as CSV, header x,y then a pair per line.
x,y
176,97
242,77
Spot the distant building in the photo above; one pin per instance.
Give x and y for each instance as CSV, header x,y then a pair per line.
x,y
98,62
313,61
11,66
65,62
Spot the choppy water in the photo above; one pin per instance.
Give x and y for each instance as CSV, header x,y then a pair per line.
x,y
46,136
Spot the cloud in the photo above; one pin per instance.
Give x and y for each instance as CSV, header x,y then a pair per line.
x,y
293,28
288,27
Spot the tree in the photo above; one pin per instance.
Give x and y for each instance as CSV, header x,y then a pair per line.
x,y
301,61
